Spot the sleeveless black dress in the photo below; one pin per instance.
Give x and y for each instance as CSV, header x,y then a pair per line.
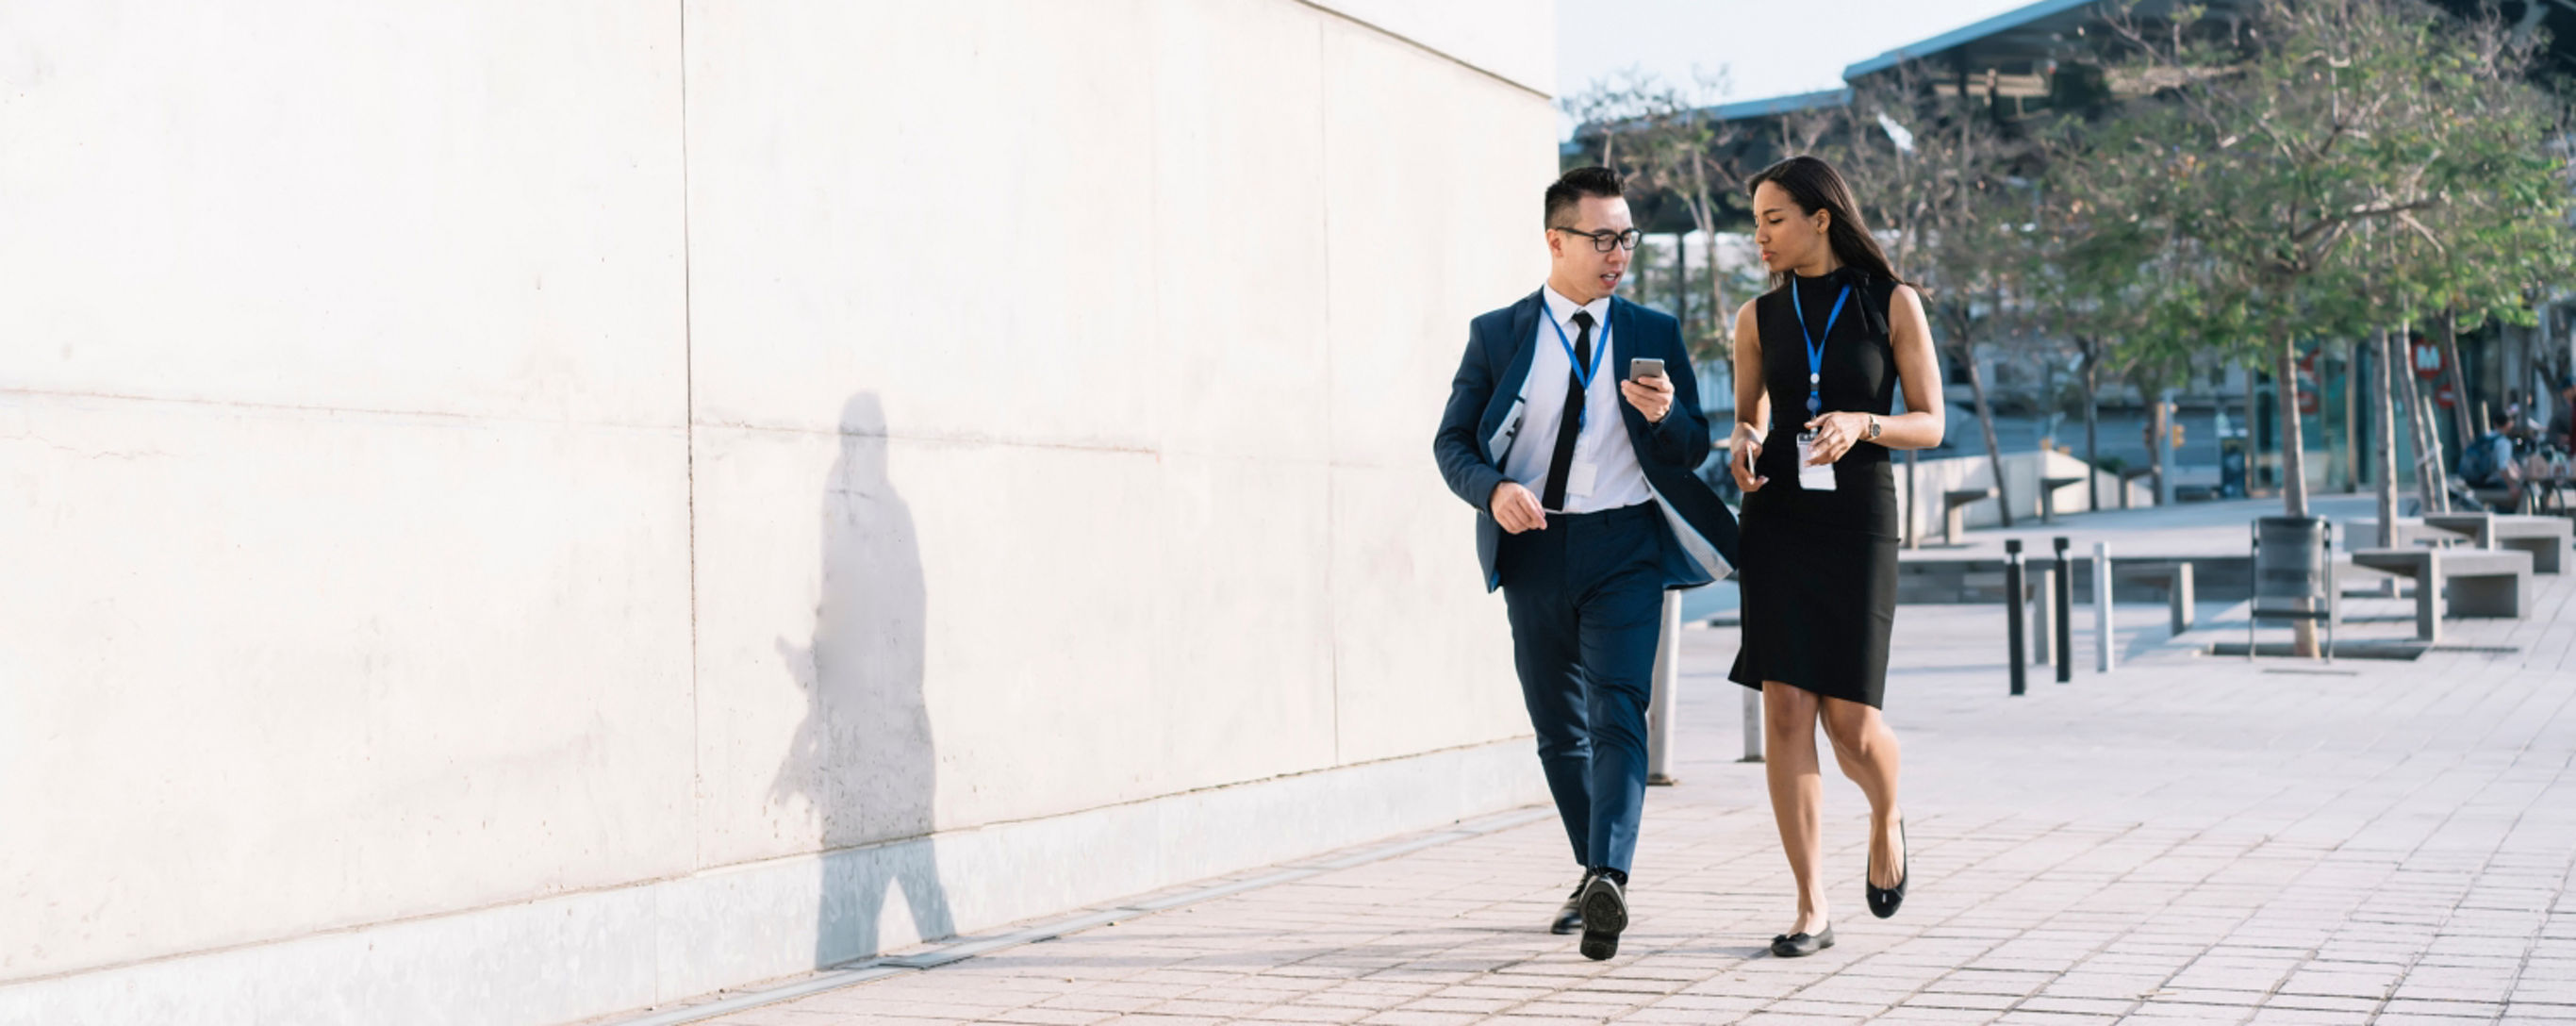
x,y
1818,569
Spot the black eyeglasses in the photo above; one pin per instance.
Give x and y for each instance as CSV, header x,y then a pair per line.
x,y
1604,239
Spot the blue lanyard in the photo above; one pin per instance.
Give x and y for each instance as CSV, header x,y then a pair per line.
x,y
1582,375
1815,349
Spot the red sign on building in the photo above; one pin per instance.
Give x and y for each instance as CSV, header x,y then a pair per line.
x,y
2427,357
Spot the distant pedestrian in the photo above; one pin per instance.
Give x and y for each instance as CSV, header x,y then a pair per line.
x,y
1573,426
2489,462
1817,361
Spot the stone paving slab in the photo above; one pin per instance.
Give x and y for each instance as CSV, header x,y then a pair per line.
x,y
2188,839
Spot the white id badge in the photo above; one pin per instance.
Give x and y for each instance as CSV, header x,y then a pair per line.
x,y
1812,479
1580,478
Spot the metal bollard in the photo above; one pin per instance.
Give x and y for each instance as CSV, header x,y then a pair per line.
x,y
1752,726
2043,614
2016,595
2102,607
2065,615
1666,694
2181,598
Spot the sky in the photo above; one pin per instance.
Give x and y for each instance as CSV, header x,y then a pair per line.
x,y
1767,47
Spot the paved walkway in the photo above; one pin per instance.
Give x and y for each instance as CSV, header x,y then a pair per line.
x,y
2187,839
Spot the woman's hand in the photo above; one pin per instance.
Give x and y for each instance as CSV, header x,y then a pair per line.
x,y
1746,449
1835,433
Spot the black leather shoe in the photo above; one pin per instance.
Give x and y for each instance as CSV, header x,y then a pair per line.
x,y
1884,900
1605,915
1801,945
1569,916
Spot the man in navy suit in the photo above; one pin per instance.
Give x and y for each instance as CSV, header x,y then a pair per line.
x,y
1587,511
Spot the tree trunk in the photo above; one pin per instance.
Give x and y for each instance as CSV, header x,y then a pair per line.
x,y
1986,426
2437,461
2353,451
2294,465
1681,285
2416,433
2384,430
2092,409
2459,380
2160,448
2419,421
1721,317
2253,431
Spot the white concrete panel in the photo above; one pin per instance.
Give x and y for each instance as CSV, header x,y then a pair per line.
x,y
266,672
1416,255
663,940
1422,655
1239,209
457,207
1510,39
900,633
949,203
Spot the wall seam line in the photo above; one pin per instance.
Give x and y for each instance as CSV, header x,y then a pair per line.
x,y
689,446
1427,48
1324,166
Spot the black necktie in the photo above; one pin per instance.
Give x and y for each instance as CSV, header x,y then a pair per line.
x,y
1571,424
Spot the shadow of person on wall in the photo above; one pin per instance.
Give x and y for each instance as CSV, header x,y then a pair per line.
x,y
863,759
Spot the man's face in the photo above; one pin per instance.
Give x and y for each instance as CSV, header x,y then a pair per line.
x,y
1576,262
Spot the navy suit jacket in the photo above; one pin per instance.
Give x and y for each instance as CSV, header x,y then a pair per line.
x,y
1485,410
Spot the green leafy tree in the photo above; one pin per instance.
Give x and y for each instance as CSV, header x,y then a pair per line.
x,y
2263,154
1662,139
1933,171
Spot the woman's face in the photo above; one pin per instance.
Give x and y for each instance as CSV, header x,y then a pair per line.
x,y
1789,237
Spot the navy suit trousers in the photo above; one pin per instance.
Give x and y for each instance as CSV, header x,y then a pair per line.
x,y
1585,596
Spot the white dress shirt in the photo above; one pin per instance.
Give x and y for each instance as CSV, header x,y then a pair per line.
x,y
1617,480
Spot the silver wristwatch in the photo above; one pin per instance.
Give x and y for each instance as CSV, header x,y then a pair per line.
x,y
1873,429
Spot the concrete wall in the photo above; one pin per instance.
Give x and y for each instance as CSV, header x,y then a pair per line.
x,y
514,512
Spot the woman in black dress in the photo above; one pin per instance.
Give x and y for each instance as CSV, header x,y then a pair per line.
x,y
1817,360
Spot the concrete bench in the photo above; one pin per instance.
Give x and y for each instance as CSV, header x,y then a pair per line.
x,y
2546,538
2176,574
1954,516
2132,474
2410,532
2456,582
2048,487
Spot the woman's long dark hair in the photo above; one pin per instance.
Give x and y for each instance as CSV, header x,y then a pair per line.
x,y
1815,185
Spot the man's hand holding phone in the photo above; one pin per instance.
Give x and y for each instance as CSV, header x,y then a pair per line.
x,y
1648,389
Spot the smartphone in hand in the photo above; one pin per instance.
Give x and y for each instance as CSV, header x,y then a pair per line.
x,y
1645,367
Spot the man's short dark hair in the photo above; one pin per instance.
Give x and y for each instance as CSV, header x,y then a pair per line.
x,y
1571,187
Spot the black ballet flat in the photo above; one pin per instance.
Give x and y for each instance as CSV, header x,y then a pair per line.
x,y
1801,945
1883,901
